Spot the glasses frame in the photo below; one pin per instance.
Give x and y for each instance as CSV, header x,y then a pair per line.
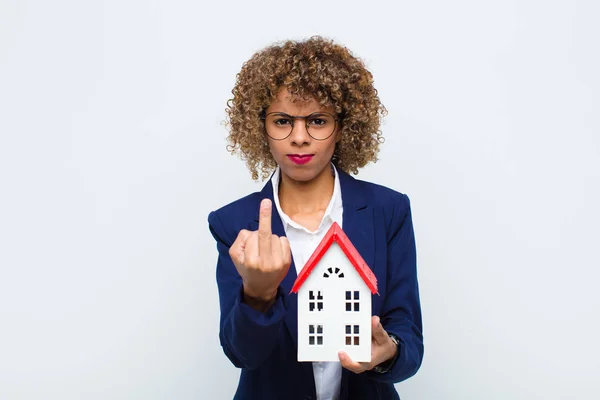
x,y
306,118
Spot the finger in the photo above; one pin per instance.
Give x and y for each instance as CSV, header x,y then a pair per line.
x,y
264,228
285,251
236,251
251,250
242,237
276,251
349,364
281,260
379,334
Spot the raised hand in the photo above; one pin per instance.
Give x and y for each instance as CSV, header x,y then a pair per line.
x,y
382,349
262,259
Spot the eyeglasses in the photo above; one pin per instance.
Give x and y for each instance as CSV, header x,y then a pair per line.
x,y
319,125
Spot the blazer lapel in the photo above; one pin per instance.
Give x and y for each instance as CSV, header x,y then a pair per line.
x,y
357,220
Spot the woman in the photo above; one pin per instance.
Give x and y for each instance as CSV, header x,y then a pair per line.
x,y
306,113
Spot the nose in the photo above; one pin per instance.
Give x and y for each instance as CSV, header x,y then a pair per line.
x,y
299,135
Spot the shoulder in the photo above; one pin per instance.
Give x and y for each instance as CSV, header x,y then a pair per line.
x,y
392,205
225,222
382,196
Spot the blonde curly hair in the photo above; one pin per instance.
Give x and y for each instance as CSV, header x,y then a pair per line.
x,y
314,68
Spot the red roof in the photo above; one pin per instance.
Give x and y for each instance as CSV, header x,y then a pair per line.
x,y
335,233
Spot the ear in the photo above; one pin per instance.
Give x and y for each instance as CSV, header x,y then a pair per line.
x,y
338,134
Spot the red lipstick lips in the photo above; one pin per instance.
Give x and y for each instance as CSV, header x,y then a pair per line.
x,y
300,158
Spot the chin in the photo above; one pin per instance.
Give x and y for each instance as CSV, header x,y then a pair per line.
x,y
299,174
302,173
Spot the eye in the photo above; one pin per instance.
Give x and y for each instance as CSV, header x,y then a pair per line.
x,y
320,120
281,121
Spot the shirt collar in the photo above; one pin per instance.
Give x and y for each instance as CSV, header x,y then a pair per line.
x,y
336,201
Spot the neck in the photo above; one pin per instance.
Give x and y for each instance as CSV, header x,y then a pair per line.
x,y
306,197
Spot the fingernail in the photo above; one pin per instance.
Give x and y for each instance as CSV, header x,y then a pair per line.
x,y
266,203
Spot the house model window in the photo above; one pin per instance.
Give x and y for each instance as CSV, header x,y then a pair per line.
x,y
333,271
352,300
315,300
315,335
352,337
335,314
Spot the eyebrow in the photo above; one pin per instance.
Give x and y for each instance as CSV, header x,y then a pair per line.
x,y
314,112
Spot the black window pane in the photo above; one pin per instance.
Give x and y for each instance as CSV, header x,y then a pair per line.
x,y
319,295
319,339
348,306
348,329
356,295
320,306
311,340
311,295
348,295
325,275
356,306
319,328
342,275
311,329
356,329
337,270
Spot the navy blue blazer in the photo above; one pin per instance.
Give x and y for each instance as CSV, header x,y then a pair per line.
x,y
264,345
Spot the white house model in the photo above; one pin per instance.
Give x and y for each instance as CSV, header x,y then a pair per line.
x,y
334,301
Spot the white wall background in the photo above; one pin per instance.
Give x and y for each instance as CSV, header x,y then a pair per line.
x,y
112,154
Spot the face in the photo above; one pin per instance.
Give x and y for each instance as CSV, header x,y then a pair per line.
x,y
299,156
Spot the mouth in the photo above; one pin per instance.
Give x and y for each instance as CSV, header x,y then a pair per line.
x,y
300,158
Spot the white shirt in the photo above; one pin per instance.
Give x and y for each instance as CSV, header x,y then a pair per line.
x,y
328,375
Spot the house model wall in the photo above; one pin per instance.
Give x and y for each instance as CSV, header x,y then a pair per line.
x,y
334,302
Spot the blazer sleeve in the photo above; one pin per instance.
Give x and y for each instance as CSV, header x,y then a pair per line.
x,y
247,336
401,312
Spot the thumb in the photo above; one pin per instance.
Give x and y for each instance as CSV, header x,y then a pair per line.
x,y
379,334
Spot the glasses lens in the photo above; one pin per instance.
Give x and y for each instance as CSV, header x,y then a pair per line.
x,y
278,126
320,126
